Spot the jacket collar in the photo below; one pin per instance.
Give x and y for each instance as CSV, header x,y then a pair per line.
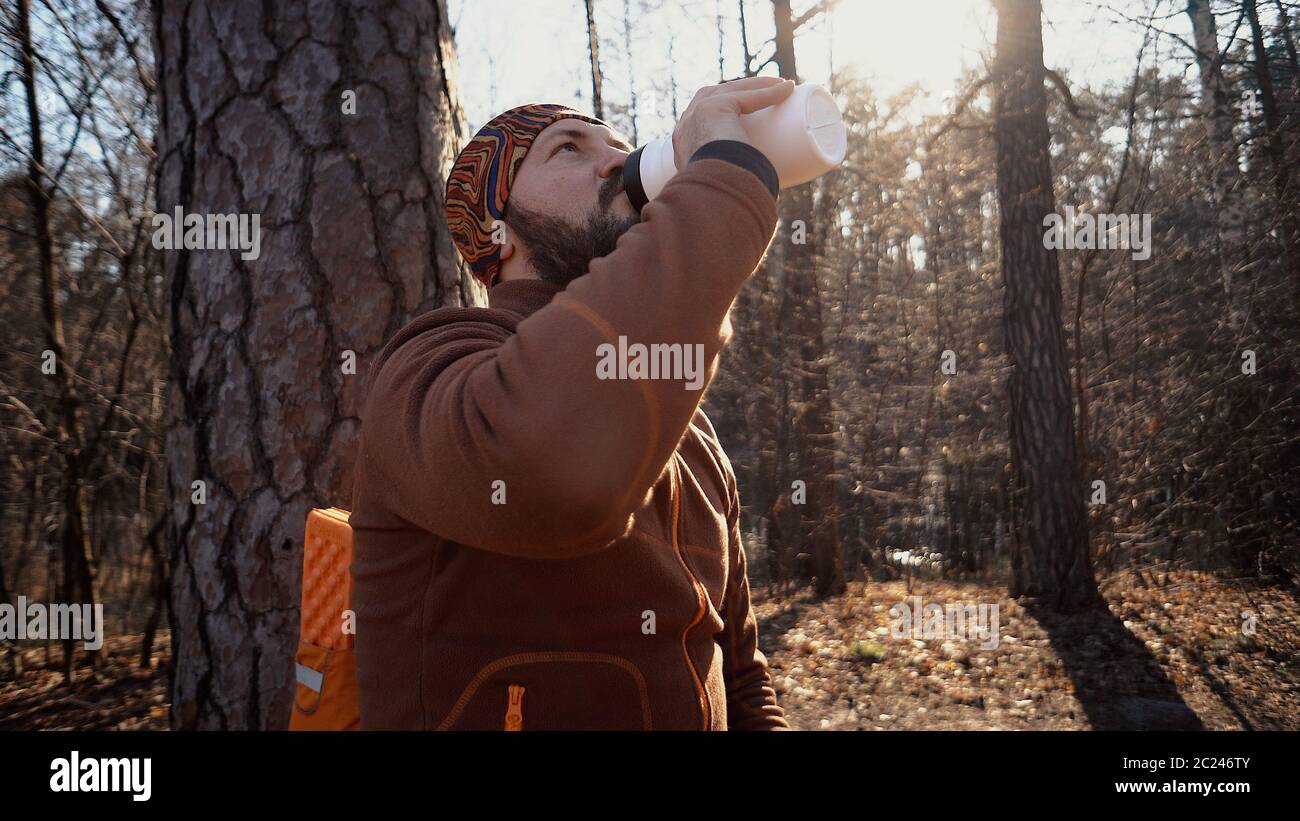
x,y
522,296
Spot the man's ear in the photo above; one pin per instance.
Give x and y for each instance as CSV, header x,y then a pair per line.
x,y
508,245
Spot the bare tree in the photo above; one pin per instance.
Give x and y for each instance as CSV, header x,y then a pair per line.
x,y
748,59
1050,559
801,334
78,580
593,49
1288,223
1220,116
631,75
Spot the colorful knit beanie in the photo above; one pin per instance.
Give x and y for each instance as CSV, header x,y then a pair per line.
x,y
481,178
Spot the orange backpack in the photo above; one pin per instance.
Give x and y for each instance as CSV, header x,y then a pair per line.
x,y
326,697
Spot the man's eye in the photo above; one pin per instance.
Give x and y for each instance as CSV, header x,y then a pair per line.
x,y
575,145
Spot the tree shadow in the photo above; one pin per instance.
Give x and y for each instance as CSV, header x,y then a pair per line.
x,y
1221,689
1119,683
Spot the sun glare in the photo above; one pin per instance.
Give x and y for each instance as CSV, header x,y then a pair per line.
x,y
896,44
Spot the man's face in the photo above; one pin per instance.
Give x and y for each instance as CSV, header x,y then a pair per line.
x,y
567,206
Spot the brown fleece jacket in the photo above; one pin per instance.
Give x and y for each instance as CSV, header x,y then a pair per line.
x,y
541,548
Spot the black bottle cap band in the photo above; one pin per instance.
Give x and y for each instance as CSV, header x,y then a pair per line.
x,y
632,180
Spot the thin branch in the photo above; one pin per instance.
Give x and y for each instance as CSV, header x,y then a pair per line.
x,y
1064,87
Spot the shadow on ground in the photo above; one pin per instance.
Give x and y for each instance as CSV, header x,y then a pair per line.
x,y
1118,682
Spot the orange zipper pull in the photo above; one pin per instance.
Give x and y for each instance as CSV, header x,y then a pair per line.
x,y
515,709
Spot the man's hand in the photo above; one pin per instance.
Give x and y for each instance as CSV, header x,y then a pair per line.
x,y
714,113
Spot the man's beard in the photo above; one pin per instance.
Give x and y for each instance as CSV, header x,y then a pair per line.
x,y
559,251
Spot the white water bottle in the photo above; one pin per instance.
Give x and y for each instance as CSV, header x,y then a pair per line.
x,y
803,136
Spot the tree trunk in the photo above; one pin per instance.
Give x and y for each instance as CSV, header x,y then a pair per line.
x,y
744,42
812,425
631,74
1284,23
78,580
672,77
1219,114
256,118
1050,551
1288,225
593,45
722,41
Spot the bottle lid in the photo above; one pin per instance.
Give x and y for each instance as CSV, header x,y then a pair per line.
x,y
827,127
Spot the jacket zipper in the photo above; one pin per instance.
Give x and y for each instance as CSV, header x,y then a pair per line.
x,y
544,656
515,708
699,597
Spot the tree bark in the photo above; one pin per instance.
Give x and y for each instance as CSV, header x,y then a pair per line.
x,y
353,246
1050,559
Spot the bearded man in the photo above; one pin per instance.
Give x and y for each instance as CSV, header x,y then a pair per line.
x,y
538,547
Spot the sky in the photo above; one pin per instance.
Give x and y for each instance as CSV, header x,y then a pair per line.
x,y
519,51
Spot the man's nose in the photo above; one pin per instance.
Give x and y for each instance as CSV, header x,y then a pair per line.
x,y
612,161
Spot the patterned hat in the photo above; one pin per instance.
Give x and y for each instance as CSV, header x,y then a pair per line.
x,y
481,178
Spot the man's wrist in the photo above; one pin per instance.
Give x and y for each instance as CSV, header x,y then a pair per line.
x,y
744,155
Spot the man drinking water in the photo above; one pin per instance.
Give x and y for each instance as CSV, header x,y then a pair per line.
x,y
539,546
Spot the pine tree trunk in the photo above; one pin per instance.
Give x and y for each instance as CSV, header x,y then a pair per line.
x,y
257,117
1050,559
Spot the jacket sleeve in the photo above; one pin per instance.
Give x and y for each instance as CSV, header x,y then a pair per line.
x,y
751,698
463,415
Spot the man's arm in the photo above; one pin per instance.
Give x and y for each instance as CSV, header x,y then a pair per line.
x,y
751,698
458,403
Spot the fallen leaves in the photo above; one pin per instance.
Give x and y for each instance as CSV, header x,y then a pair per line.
x,y
1162,654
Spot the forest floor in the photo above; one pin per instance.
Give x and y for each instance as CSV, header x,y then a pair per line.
x,y
120,695
1170,653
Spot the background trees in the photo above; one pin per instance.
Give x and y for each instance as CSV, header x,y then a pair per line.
x,y
84,356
